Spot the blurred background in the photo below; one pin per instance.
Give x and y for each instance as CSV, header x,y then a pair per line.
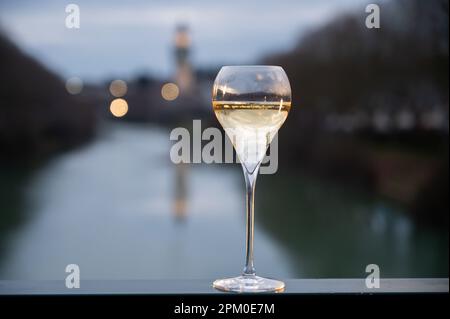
x,y
85,118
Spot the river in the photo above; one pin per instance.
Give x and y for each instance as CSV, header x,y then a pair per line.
x,y
120,209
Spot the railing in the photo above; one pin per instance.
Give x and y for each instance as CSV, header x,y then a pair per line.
x,y
293,286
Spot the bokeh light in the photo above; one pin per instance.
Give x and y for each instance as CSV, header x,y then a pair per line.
x,y
118,88
118,107
170,91
74,85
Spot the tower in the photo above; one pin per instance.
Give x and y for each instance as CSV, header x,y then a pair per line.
x,y
184,77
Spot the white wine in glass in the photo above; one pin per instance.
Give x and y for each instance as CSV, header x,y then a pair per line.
x,y
251,103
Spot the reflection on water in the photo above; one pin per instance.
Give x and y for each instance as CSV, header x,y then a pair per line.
x,y
180,200
115,206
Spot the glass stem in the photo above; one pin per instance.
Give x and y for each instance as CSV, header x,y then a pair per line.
x,y
250,181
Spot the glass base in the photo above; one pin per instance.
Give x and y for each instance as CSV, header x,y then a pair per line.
x,y
249,283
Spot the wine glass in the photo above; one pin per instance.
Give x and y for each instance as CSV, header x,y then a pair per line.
x,y
251,103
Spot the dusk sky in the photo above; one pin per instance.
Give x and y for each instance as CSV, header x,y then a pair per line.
x,y
119,38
